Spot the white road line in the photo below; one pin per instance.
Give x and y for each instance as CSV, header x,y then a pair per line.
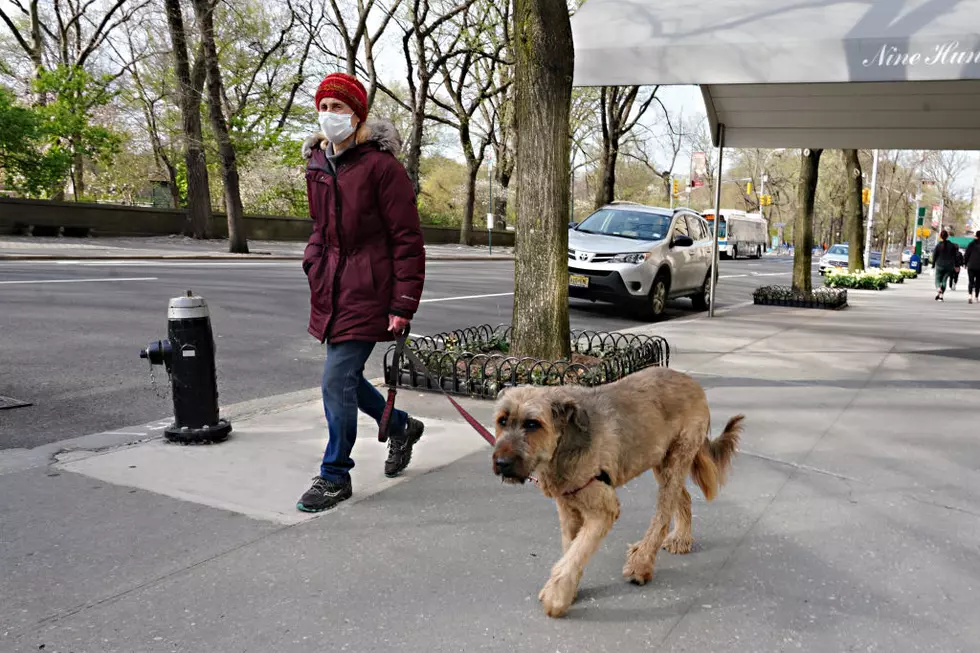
x,y
157,263
454,299
28,281
179,264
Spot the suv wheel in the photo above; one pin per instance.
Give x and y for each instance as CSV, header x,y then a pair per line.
x,y
702,300
657,300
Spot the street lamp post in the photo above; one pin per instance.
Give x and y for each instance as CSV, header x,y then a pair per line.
x,y
490,206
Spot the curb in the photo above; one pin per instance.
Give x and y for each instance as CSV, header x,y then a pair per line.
x,y
209,257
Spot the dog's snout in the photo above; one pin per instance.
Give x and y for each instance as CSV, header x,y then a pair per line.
x,y
504,464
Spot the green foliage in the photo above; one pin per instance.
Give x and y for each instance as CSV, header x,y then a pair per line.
x,y
28,164
443,194
273,182
69,117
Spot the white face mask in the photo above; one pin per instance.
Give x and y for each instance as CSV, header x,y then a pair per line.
x,y
336,126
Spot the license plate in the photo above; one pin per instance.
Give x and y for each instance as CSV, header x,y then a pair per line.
x,y
578,281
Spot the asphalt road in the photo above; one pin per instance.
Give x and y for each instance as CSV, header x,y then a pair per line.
x,y
71,332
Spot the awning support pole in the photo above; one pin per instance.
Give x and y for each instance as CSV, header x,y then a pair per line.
x,y
714,239
871,216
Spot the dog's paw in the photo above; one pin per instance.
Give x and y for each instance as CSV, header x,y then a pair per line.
x,y
638,568
680,544
557,595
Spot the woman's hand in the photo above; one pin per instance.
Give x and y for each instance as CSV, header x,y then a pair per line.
x,y
397,324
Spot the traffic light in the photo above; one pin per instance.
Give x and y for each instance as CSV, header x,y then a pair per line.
x,y
677,187
765,200
866,195
748,188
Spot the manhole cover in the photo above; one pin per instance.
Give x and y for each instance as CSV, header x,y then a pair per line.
x,y
10,402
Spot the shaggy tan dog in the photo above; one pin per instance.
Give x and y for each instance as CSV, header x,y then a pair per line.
x,y
582,443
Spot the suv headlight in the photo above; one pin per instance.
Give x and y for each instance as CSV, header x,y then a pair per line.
x,y
635,258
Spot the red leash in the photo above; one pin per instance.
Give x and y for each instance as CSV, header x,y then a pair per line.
x,y
400,350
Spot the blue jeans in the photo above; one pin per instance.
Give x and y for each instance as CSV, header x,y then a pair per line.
x,y
345,390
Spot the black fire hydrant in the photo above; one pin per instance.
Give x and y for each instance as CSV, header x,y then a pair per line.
x,y
188,356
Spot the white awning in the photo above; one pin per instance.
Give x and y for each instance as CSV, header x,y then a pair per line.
x,y
890,74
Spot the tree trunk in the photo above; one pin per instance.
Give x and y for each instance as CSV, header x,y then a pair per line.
x,y
502,172
36,53
606,192
803,229
854,209
237,239
198,193
466,229
544,64
413,156
78,176
174,188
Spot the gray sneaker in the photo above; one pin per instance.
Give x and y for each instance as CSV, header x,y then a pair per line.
x,y
400,448
323,495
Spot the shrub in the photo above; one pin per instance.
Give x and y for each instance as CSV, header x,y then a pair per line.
x,y
873,279
831,298
893,275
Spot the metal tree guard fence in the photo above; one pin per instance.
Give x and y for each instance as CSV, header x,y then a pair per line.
x,y
476,362
826,298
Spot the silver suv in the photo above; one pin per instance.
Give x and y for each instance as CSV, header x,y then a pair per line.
x,y
640,256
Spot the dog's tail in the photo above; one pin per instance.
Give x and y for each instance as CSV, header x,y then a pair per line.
x,y
713,460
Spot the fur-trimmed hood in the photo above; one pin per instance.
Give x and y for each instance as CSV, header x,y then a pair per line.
x,y
379,131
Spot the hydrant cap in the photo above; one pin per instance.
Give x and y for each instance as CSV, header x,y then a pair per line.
x,y
186,308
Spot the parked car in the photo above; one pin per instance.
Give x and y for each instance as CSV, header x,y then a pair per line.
x,y
836,257
640,257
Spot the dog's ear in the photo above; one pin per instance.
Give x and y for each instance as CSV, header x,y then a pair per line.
x,y
572,422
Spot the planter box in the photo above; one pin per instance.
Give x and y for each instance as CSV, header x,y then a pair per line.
x,y
824,298
475,362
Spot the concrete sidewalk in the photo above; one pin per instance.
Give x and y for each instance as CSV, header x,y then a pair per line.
x,y
28,248
851,520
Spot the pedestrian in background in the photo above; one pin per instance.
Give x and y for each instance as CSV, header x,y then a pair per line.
x,y
365,262
972,261
944,262
955,278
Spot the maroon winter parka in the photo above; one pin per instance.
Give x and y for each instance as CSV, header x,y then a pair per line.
x,y
365,259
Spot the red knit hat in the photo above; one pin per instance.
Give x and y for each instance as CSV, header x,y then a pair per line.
x,y
346,89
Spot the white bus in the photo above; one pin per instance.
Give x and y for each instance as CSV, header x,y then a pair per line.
x,y
740,233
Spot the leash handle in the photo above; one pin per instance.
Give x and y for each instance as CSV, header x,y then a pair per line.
x,y
472,421
402,350
392,387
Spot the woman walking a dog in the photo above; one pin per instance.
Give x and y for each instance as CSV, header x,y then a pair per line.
x,y
365,262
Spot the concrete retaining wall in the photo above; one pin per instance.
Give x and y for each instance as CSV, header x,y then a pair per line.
x,y
80,219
